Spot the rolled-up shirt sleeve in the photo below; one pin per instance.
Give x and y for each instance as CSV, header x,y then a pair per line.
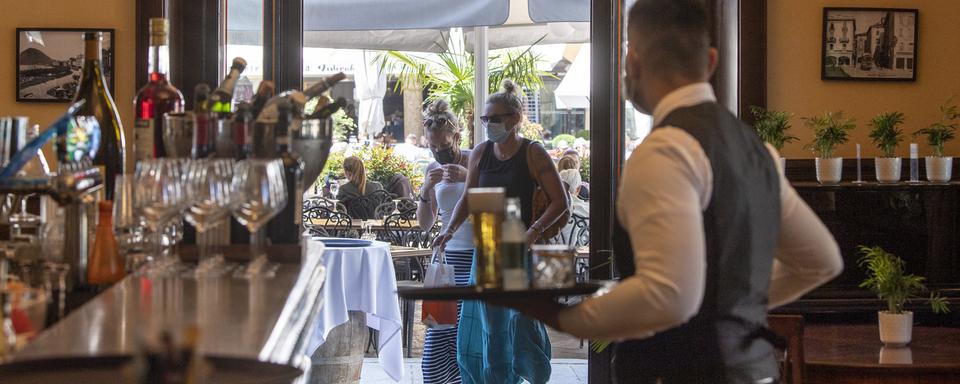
x,y
807,255
665,186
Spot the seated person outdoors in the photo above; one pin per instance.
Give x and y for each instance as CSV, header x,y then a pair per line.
x,y
571,180
572,162
351,194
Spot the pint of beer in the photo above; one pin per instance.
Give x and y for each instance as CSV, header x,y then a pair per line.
x,y
486,211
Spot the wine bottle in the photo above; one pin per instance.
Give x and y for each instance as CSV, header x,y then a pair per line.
x,y
513,248
203,128
264,93
243,130
328,110
157,98
100,110
221,100
285,227
297,99
106,266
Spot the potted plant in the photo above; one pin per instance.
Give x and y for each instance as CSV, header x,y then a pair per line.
x,y
886,135
940,167
886,277
829,131
772,128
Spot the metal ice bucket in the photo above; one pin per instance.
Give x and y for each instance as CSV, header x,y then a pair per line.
x,y
311,139
178,134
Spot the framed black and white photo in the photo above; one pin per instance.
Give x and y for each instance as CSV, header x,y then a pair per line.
x,y
869,44
50,62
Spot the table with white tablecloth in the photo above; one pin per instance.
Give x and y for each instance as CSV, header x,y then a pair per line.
x,y
361,279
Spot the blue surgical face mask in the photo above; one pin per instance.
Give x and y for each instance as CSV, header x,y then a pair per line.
x,y
496,132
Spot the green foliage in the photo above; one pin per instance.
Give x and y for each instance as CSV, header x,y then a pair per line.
x,y
885,132
829,131
944,130
530,130
585,168
886,277
450,74
380,162
562,137
772,126
342,125
584,134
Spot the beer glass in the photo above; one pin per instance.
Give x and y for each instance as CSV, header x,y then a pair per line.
x,y
553,266
486,211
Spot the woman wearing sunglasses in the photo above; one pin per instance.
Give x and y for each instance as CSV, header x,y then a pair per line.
x,y
443,184
495,344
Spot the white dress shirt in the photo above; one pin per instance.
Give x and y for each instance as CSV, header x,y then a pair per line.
x,y
665,188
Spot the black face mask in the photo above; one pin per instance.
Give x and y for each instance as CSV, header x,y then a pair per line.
x,y
445,156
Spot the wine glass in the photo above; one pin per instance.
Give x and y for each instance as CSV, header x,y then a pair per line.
x,y
334,188
261,195
208,184
158,196
127,223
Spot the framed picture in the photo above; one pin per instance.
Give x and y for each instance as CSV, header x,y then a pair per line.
x,y
869,44
50,62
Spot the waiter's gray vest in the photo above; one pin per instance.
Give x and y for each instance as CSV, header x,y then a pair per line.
x,y
727,340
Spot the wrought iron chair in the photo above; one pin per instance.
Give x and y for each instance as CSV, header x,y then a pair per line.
x,y
365,207
333,223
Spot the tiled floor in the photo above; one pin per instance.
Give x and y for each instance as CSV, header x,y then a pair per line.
x,y
565,371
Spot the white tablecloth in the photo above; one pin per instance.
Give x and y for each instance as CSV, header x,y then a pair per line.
x,y
361,279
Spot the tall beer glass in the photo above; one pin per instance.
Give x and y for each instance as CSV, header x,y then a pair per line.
x,y
486,210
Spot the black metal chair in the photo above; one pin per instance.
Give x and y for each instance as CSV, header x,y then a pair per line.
x,y
333,223
365,207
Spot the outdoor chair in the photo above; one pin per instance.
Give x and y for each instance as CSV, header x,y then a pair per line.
x,y
334,224
365,207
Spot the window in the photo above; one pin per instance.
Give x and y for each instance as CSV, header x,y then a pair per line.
x,y
245,39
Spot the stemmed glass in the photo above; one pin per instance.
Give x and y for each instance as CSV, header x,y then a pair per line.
x,y
260,195
334,188
158,197
208,184
127,223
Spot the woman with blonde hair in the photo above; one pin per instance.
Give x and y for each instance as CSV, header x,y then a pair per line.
x,y
496,344
357,185
443,184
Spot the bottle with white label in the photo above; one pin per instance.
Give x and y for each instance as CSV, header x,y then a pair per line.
x,y
513,248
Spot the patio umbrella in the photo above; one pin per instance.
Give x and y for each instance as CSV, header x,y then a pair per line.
x,y
371,85
574,89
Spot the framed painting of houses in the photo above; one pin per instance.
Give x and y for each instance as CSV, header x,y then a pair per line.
x,y
878,44
50,62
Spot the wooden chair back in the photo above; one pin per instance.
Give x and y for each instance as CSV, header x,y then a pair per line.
x,y
790,329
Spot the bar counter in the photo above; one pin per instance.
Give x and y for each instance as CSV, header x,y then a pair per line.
x,y
263,319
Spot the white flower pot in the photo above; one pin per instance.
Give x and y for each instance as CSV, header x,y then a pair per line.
x,y
828,170
896,355
888,169
939,169
896,329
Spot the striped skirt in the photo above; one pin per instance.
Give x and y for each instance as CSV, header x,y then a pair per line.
x,y
440,346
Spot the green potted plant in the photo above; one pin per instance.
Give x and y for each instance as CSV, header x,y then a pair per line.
x,y
886,134
886,277
829,131
940,167
772,128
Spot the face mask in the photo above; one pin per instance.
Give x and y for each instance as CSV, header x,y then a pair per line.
x,y
496,132
445,156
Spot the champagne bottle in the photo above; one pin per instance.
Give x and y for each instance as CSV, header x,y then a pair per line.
x,y
203,128
285,227
221,101
100,110
297,99
106,266
264,93
328,110
513,244
157,98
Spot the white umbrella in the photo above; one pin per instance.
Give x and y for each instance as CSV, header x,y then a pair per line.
x,y
574,89
371,85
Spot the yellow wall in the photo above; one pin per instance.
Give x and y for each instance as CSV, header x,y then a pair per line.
x,y
793,64
116,14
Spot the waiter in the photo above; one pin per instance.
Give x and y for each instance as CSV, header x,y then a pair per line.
x,y
716,234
